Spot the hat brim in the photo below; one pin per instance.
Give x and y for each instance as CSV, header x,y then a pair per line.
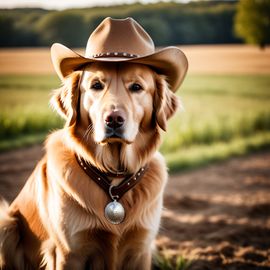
x,y
169,61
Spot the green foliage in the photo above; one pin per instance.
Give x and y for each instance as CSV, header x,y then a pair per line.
x,y
64,27
252,22
24,106
166,261
22,141
168,23
182,263
203,154
219,109
25,122
7,31
158,29
17,27
224,116
26,33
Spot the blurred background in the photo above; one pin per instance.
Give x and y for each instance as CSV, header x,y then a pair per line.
x,y
225,94
226,100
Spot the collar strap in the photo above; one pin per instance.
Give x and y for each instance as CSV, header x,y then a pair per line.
x,y
119,174
114,192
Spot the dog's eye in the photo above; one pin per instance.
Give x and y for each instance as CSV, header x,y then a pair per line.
x,y
135,87
97,86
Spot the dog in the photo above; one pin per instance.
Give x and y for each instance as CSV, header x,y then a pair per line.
x,y
95,199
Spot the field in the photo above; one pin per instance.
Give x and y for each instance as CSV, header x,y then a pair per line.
x,y
206,59
229,112
215,217
25,115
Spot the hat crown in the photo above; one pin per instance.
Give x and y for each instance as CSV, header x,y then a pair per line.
x,y
119,36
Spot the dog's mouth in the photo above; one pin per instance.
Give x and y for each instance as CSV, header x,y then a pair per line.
x,y
114,136
114,139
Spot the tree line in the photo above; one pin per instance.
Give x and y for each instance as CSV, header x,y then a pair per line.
x,y
204,22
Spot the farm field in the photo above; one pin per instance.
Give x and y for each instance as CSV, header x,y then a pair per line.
x,y
215,217
230,113
225,96
203,59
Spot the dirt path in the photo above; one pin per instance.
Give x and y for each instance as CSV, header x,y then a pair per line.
x,y
206,59
217,216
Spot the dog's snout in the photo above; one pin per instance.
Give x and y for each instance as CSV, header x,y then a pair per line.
x,y
114,119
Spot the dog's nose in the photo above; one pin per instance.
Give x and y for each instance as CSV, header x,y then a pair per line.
x,y
114,119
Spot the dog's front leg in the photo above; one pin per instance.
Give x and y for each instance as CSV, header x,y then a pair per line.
x,y
135,262
56,259
135,252
144,262
69,261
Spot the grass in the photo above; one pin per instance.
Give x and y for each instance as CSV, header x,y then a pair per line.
x,y
219,108
166,261
224,116
199,155
25,111
21,141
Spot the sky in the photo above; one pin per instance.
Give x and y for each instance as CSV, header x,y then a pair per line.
x,y
63,4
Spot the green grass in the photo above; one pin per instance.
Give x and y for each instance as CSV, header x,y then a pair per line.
x,y
224,116
21,141
203,154
219,108
25,111
166,261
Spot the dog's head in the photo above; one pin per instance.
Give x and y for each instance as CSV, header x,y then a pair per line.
x,y
115,112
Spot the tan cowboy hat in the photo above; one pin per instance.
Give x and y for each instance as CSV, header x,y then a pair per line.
x,y
122,41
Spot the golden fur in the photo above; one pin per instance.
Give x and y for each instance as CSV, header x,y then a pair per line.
x,y
57,220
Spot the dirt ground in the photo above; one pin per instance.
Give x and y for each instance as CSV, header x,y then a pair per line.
x,y
218,216
206,59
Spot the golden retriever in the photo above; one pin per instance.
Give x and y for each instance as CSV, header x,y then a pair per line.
x,y
57,221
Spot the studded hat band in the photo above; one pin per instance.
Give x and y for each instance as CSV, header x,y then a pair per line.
x,y
114,192
115,54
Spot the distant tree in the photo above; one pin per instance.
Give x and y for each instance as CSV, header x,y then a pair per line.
x,y
26,33
158,29
252,21
7,31
170,23
64,27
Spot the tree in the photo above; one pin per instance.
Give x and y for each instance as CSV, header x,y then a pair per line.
x,y
252,21
157,28
170,23
7,31
64,27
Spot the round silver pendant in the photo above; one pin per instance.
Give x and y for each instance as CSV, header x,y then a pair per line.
x,y
114,212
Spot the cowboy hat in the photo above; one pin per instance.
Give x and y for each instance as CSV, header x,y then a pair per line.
x,y
124,40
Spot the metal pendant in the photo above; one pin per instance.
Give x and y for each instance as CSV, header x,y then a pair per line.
x,y
115,212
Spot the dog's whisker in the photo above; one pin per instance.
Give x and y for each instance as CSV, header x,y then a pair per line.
x,y
88,132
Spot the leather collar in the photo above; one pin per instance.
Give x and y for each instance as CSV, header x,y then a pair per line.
x,y
114,192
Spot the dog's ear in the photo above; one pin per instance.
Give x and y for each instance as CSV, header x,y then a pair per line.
x,y
165,102
65,99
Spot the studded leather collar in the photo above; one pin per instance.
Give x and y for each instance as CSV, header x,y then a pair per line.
x,y
114,192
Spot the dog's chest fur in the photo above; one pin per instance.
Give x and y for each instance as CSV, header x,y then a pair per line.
x,y
76,203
